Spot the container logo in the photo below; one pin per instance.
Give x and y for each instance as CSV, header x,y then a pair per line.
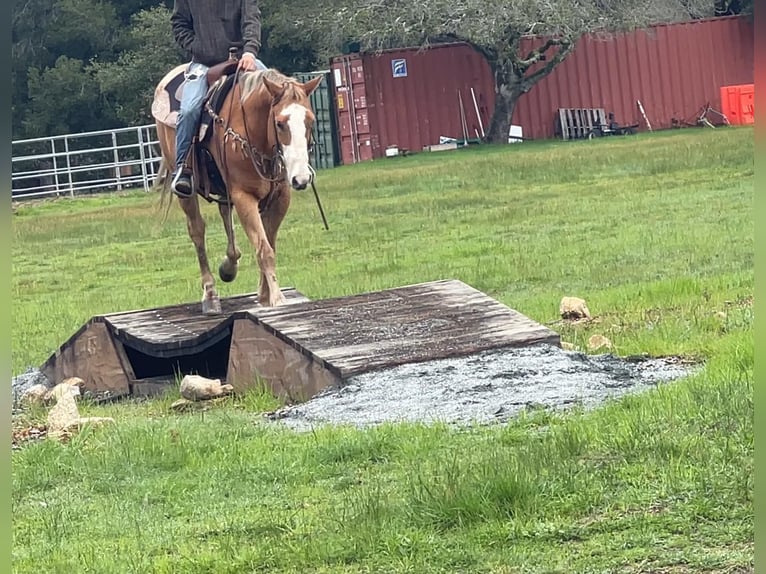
x,y
399,68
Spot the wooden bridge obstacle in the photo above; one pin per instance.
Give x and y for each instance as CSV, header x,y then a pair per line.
x,y
297,349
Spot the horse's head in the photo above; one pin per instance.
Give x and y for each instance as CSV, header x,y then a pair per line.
x,y
293,124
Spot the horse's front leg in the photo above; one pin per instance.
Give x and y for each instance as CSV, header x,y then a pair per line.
x,y
195,224
227,271
272,218
247,209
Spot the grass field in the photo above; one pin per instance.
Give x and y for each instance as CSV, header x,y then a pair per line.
x,y
655,231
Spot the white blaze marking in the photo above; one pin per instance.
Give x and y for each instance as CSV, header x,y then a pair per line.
x,y
296,154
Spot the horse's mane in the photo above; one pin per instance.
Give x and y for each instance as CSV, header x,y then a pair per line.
x,y
252,81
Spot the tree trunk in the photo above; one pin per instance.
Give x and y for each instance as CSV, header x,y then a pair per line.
x,y
507,92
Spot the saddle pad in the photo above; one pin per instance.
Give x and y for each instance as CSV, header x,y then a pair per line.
x,y
167,101
167,96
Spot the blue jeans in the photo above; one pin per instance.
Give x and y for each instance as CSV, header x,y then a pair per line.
x,y
195,89
194,92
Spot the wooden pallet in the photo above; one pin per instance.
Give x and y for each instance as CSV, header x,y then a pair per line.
x,y
577,123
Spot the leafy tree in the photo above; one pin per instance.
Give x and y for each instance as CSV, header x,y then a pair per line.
x,y
62,99
50,39
82,29
291,41
128,83
733,7
496,28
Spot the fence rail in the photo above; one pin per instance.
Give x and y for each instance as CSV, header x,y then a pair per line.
x,y
74,164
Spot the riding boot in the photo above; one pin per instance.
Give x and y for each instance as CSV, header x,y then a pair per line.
x,y
182,184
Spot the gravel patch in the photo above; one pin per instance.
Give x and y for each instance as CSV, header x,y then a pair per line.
x,y
21,383
486,388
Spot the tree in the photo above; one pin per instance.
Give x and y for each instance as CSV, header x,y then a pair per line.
x,y
496,29
128,82
733,7
63,98
291,40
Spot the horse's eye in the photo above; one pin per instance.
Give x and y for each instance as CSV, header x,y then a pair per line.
x,y
281,125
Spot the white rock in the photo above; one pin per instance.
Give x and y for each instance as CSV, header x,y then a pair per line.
x,y
574,308
197,388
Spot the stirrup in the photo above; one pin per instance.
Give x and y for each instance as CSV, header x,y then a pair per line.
x,y
186,189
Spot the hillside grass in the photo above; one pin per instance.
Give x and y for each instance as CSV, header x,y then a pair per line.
x,y
655,231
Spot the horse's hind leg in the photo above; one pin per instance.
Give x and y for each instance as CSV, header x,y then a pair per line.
x,y
195,223
227,271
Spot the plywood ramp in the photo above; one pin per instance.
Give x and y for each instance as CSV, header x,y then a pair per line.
x,y
297,349
301,349
141,352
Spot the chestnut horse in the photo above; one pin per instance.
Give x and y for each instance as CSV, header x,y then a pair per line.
x,y
260,145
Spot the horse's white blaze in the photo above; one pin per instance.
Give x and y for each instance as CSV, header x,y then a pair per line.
x,y
296,154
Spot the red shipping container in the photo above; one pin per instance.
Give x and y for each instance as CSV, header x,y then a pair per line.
x,y
409,98
737,103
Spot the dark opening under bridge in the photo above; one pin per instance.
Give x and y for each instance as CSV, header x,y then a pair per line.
x,y
297,349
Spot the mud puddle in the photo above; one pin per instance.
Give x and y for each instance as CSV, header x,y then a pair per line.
x,y
485,388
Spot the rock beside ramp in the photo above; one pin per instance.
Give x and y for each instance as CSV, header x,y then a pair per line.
x,y
25,381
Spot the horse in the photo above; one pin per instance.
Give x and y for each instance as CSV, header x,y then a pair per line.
x,y
257,153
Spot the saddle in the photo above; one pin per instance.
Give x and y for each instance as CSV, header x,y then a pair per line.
x,y
165,107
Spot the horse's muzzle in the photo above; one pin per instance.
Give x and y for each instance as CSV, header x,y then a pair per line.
x,y
299,185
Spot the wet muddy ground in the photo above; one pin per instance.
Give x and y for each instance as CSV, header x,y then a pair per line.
x,y
486,388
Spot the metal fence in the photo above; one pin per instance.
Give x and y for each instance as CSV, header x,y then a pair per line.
x,y
76,164
126,158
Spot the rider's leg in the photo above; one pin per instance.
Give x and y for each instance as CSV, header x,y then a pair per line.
x,y
194,90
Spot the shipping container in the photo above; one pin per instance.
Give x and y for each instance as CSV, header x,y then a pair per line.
x,y
325,153
412,98
674,70
409,99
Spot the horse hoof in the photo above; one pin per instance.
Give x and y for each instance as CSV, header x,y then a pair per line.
x,y
274,301
227,271
211,306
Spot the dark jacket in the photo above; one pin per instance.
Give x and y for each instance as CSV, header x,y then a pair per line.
x,y
206,29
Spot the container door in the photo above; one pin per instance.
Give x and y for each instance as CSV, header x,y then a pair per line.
x,y
325,153
351,104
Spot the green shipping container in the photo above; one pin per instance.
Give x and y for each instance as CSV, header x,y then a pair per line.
x,y
326,153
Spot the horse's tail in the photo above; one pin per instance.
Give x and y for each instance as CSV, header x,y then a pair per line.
x,y
162,184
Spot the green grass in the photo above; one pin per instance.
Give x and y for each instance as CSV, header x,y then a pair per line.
x,y
655,231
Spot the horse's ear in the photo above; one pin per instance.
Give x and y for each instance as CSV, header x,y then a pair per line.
x,y
274,89
312,85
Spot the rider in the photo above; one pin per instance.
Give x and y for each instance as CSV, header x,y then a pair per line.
x,y
207,30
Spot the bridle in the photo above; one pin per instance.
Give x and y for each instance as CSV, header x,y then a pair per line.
x,y
275,173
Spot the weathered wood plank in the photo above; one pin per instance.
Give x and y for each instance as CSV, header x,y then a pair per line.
x,y
178,326
256,354
92,356
408,324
